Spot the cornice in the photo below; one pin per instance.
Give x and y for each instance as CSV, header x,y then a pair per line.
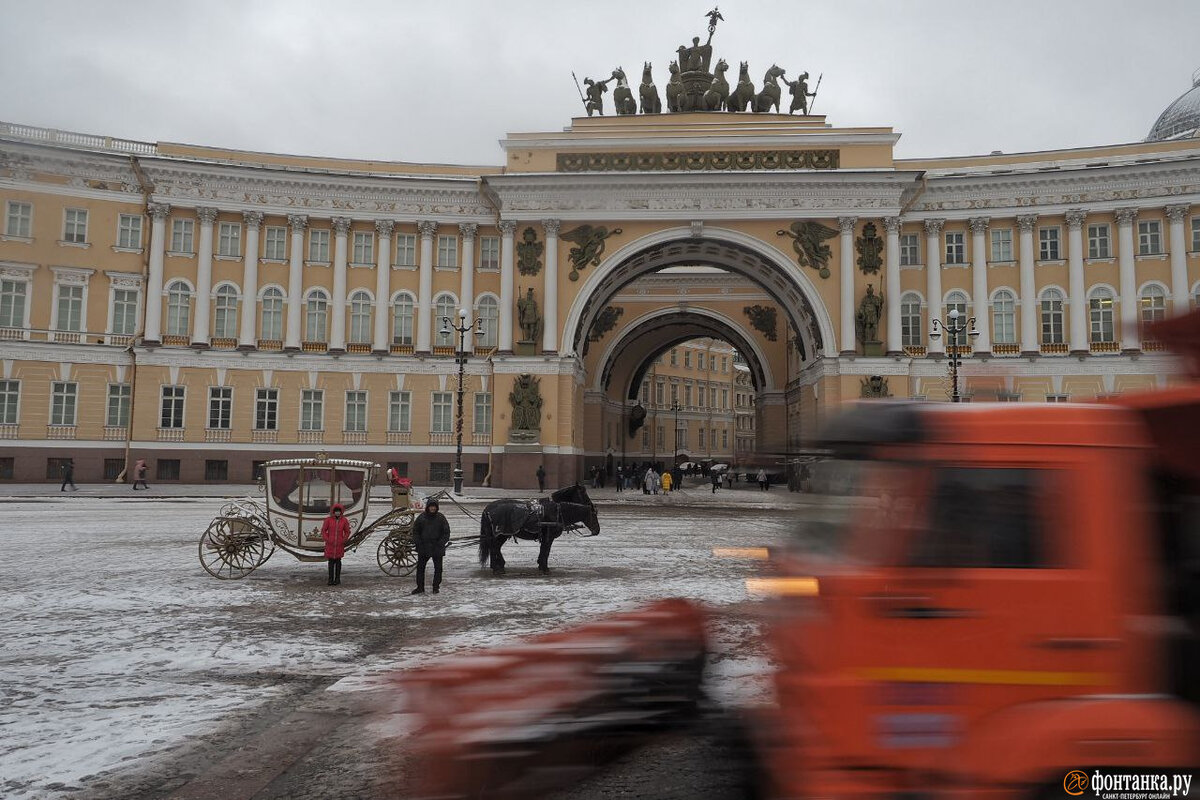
x,y
706,139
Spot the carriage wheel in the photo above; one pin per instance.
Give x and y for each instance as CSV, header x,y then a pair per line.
x,y
232,548
398,554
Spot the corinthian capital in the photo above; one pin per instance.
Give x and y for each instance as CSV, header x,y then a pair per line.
x,y
468,229
427,228
978,225
1125,216
933,227
552,226
508,227
384,227
846,225
891,224
1027,222
1177,213
341,225
207,215
1075,218
253,218
158,211
298,222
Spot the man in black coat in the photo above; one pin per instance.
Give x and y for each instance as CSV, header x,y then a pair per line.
x,y
431,532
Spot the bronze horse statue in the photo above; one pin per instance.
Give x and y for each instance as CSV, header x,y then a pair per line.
x,y
769,96
743,95
623,95
674,88
542,520
651,102
718,94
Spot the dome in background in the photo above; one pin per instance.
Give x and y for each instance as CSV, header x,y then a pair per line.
x,y
1181,120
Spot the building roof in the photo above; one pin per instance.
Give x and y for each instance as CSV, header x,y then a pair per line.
x,y
1181,119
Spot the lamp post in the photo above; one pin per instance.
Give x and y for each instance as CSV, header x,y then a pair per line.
x,y
463,327
675,408
954,327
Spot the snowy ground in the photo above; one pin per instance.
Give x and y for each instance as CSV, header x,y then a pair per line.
x,y
127,670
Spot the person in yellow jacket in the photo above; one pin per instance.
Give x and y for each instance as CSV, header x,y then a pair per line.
x,y
666,481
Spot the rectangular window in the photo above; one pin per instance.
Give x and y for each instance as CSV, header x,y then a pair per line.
x,y
700,361
216,469
19,220
54,467
645,438
687,358
674,393
489,253
318,246
400,412
1098,241
439,472
1196,234
70,308
10,394
12,303
312,410
662,437
7,465
1150,238
406,250
167,469
483,412
956,247
447,252
1058,398
266,409
183,233
645,393
479,471
910,249
75,225
442,420
700,439
63,396
1002,244
124,312
120,396
687,396
725,399
113,467
658,393
229,239
356,411
364,248
275,243
1048,249
129,231
172,407
220,407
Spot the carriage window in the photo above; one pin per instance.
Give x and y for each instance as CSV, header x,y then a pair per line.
x,y
285,488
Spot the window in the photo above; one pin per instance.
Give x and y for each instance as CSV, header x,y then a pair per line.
x,y
1100,311
445,309
1154,304
1058,398
700,439
957,301
10,394
662,437
1004,317
674,393
129,231
400,412
316,316
179,308
910,249
220,407
406,250
489,321
312,410
712,398
356,411
674,357
19,220
489,253
1002,244
229,239
364,248
225,312
956,247
439,472
272,314
724,438
483,412
687,395
725,399
911,333
442,420
172,407
402,319
687,358
1048,249
360,318
658,393
182,235
1052,317
70,308
124,311
120,396
1098,241
113,467
75,225
167,469
266,409
646,438
479,471
1149,238
318,246
1195,234
216,469
700,361
275,243
447,252
12,303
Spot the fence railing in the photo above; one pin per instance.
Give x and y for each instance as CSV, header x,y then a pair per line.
x,y
70,138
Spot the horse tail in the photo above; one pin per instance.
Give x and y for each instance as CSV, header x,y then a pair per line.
x,y
486,534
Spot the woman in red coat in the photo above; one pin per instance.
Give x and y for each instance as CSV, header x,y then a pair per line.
x,y
336,532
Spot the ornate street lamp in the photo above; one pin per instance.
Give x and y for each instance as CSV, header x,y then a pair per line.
x,y
463,327
954,327
675,407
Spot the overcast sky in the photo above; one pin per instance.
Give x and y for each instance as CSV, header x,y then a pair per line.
x,y
443,80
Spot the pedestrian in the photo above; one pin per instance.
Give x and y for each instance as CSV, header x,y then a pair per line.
x,y
541,476
431,532
666,481
729,479
67,470
676,479
716,481
620,478
650,484
139,474
762,480
335,530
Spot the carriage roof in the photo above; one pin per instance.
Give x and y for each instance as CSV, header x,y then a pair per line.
x,y
343,463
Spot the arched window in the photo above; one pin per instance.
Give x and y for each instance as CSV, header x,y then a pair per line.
x,y
225,308
179,309
1154,304
316,316
1100,312
489,321
1052,316
911,333
402,319
957,301
445,308
360,317
1004,317
272,314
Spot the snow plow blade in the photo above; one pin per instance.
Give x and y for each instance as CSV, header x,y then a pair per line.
x,y
534,717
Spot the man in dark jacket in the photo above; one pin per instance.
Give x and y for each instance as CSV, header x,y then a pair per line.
x,y
431,532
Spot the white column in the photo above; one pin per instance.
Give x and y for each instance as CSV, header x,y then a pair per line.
x,y
1130,335
1180,291
1029,302
933,280
846,279
508,229
466,295
204,260
1075,285
249,337
550,306
152,302
891,298
979,285
425,290
383,284
295,290
337,319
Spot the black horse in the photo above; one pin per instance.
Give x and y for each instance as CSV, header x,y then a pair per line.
x,y
542,519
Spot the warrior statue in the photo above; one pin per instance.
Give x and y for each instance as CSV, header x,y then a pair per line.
x,y
870,310
529,318
800,94
526,399
595,95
